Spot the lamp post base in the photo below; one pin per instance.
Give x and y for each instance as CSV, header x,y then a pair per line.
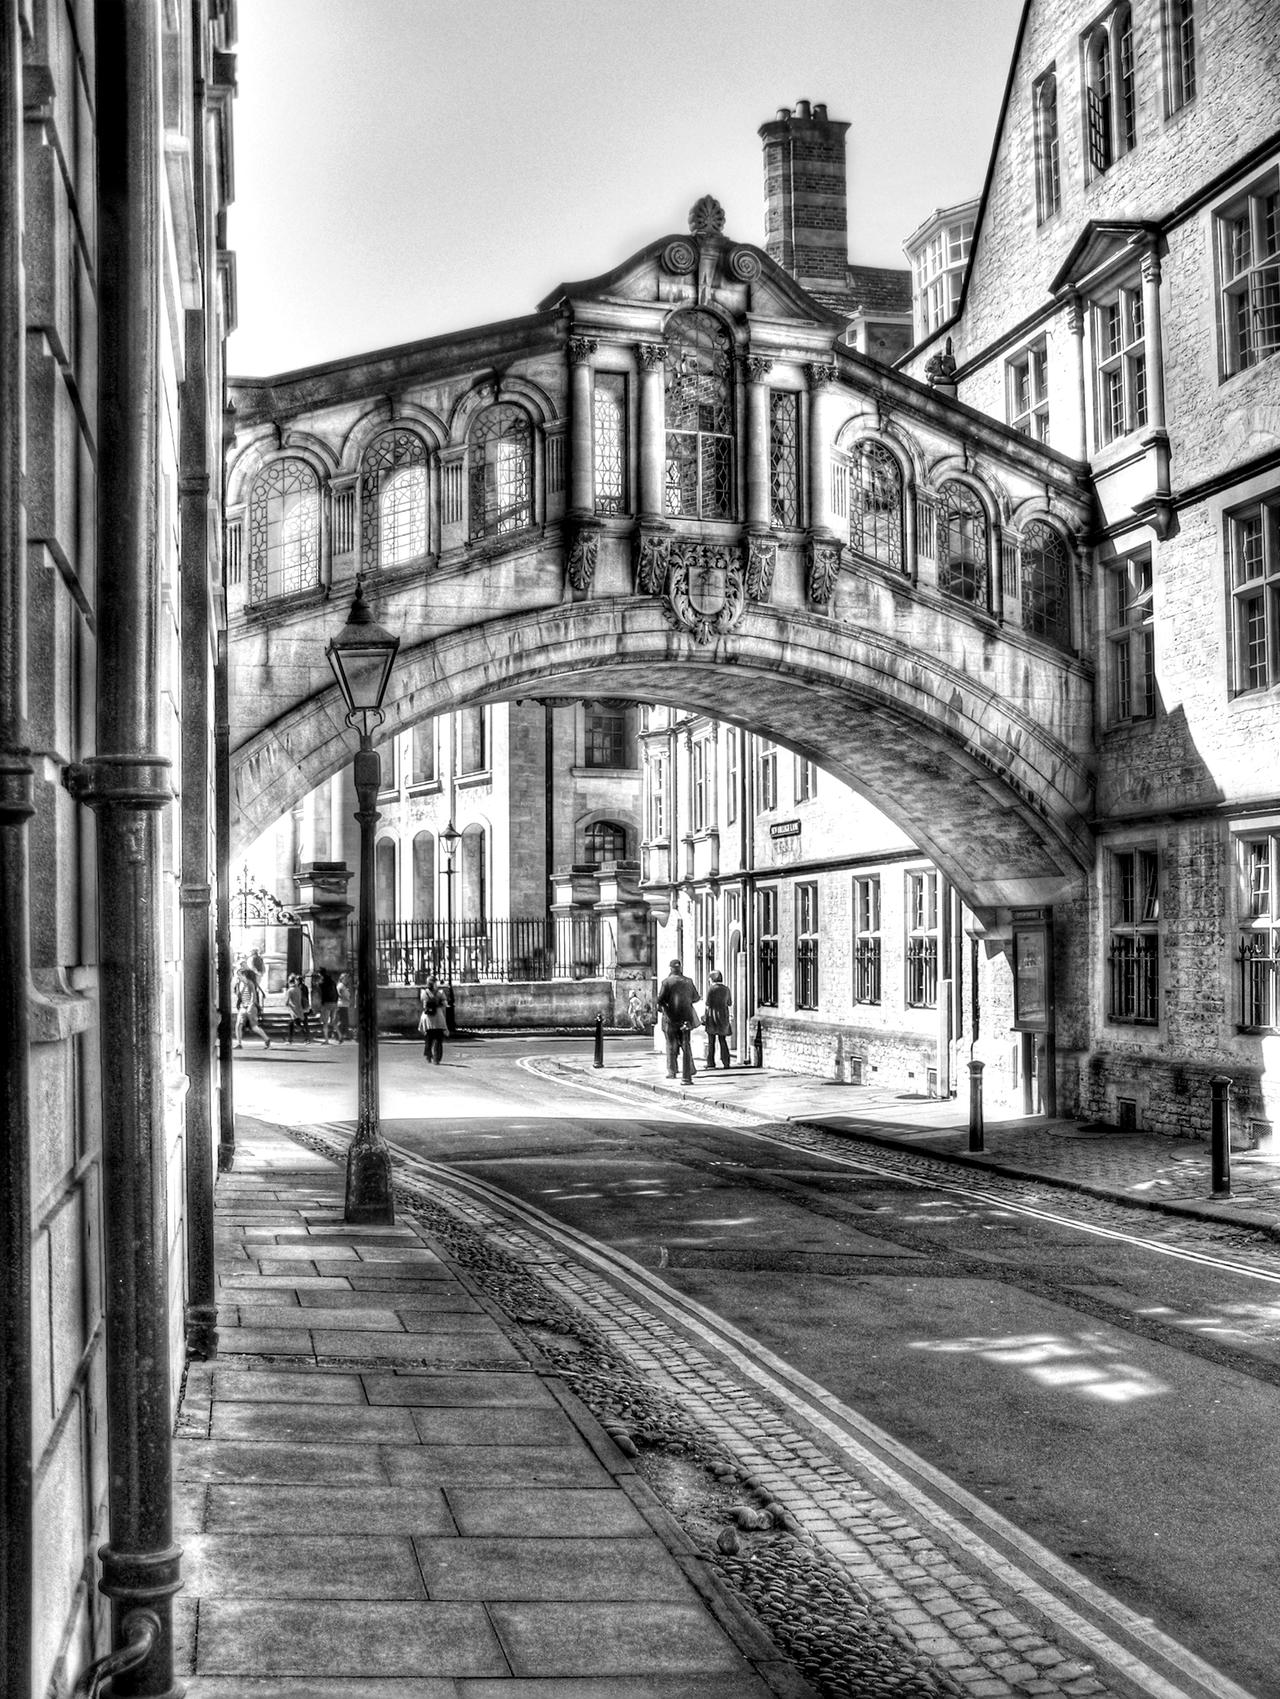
x,y
370,1198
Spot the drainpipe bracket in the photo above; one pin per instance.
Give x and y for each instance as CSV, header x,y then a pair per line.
x,y
139,1577
128,781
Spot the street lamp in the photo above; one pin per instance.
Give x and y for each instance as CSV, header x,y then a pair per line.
x,y
362,655
450,838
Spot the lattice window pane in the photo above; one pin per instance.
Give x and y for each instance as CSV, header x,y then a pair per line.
x,y
393,500
610,442
964,544
699,417
784,480
284,530
1045,583
500,474
875,504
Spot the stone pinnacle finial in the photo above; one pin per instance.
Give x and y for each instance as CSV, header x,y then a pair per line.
x,y
706,217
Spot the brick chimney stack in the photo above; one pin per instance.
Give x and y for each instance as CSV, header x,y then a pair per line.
x,y
806,221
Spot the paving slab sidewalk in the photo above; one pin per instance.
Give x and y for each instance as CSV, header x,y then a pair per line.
x,y
379,1489
1169,1175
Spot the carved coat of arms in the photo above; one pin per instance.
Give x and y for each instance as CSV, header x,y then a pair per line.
x,y
705,589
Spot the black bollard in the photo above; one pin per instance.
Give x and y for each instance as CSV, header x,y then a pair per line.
x,y
1220,1135
975,1105
757,1045
599,1056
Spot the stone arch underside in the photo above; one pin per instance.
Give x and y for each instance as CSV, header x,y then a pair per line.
x,y
998,802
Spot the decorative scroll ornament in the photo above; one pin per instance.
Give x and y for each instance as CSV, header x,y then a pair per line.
x,y
653,558
758,368
744,263
257,906
705,589
824,568
651,354
762,558
706,217
679,257
581,348
583,554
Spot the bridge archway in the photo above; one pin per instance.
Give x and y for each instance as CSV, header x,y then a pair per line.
x,y
984,786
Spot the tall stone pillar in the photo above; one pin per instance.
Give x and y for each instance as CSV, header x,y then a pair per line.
x,y
1153,338
322,904
821,376
758,479
653,436
581,401
624,917
1075,324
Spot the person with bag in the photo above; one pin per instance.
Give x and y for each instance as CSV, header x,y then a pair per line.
x,y
433,1021
248,1006
676,998
716,1020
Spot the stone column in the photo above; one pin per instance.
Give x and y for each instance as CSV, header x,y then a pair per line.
x,y
821,375
653,434
1153,338
759,505
1075,324
581,402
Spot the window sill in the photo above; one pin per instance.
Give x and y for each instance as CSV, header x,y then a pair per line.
x,y
470,781
623,772
425,787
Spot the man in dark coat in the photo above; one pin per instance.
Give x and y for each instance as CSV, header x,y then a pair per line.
x,y
716,1020
676,997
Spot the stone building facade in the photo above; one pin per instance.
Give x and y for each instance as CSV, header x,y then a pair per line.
x,y
116,295
848,954
1122,303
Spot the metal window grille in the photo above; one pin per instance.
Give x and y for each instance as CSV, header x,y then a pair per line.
x,y
699,418
393,500
1253,543
784,476
555,465
235,552
1259,950
922,973
875,504
452,493
610,442
1134,956
767,957
603,841
1045,563
964,545
500,472
807,973
284,530
926,525
344,521
1131,639
866,970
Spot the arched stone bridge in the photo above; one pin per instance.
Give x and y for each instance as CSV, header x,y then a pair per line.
x,y
674,483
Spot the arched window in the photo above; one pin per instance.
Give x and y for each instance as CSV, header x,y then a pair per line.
x,y
1046,583
384,879
699,416
284,530
1127,104
964,544
875,503
424,877
1048,164
473,907
500,472
604,840
393,500
1098,101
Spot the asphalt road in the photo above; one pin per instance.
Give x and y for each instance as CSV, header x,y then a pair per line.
x,y
1119,1405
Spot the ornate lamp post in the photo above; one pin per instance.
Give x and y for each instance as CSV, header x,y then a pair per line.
x,y
450,838
362,655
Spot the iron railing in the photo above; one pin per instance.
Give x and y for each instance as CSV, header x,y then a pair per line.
x,y
1259,959
517,951
1135,978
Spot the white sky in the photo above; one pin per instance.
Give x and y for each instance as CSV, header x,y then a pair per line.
x,y
406,168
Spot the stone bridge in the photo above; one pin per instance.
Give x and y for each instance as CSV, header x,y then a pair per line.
x,y
675,483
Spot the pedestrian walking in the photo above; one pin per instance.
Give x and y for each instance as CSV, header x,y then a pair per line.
x,y
344,1006
248,1000
433,1021
299,1015
676,998
716,1020
328,1007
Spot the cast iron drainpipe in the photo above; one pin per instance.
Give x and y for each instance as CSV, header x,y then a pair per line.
x,y
16,808
127,783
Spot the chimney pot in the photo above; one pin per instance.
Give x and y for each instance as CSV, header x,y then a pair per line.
x,y
784,114
802,108
820,112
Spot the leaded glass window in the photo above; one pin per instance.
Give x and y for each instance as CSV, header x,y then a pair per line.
x,y
699,417
784,479
604,840
964,544
284,530
500,472
1045,583
875,504
393,500
610,442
